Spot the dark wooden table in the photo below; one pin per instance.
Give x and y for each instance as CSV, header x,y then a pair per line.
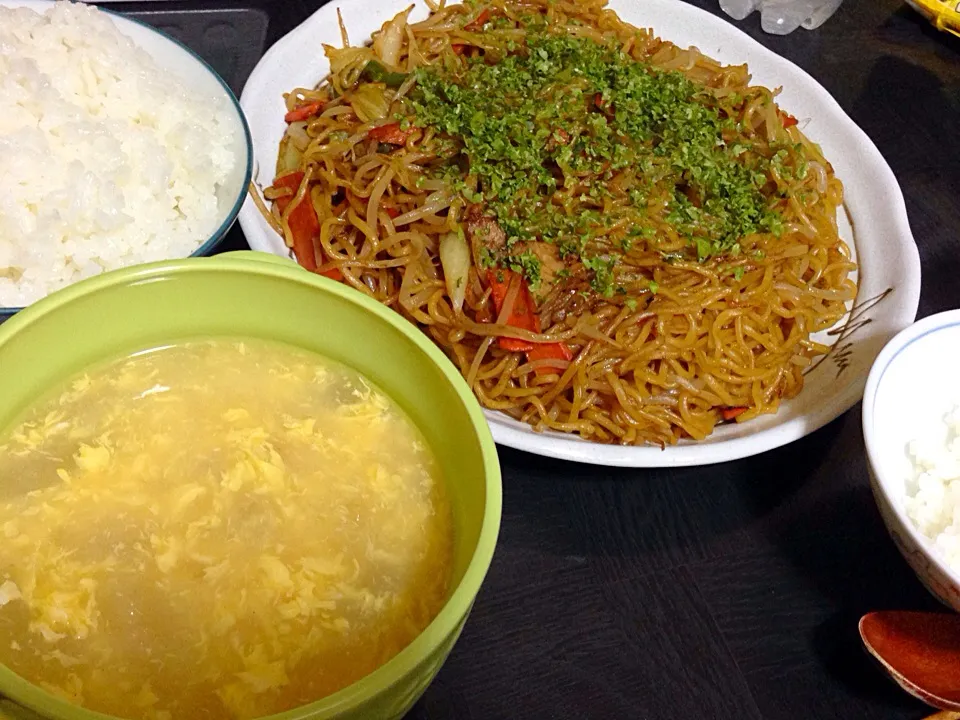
x,y
730,591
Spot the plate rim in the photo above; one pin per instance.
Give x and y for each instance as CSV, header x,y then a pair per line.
x,y
689,453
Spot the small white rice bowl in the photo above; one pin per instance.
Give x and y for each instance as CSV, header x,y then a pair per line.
x,y
911,428
107,158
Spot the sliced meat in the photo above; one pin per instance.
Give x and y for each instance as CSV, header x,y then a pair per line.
x,y
484,232
550,264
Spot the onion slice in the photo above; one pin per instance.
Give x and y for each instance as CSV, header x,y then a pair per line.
x,y
455,258
297,132
389,40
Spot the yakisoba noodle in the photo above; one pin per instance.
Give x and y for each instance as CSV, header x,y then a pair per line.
x,y
610,235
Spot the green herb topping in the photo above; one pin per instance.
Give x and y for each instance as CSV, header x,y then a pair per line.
x,y
575,143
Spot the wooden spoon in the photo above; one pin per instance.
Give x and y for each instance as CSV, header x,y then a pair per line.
x,y
921,651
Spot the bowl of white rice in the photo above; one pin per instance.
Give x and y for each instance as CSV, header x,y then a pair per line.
x,y
911,427
118,146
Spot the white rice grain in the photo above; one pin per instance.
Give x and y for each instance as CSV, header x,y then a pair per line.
x,y
933,492
106,159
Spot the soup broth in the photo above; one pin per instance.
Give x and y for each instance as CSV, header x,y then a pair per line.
x,y
216,529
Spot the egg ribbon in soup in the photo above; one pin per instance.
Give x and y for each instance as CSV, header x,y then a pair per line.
x,y
216,529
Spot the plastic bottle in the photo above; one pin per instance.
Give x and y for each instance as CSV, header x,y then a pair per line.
x,y
780,17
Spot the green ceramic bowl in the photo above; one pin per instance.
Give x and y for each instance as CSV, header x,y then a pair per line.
x,y
254,295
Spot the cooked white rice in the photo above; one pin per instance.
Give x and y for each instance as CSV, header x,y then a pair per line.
x,y
106,159
933,493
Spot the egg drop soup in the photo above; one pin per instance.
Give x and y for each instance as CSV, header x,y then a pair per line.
x,y
216,529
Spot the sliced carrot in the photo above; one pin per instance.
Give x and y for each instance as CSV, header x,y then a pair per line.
x,y
478,22
523,315
730,413
549,351
332,273
304,226
514,344
290,181
787,119
303,111
391,133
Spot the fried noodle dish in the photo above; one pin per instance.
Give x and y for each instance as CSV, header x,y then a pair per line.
x,y
610,235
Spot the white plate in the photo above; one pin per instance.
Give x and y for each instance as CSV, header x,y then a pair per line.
x,y
889,263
